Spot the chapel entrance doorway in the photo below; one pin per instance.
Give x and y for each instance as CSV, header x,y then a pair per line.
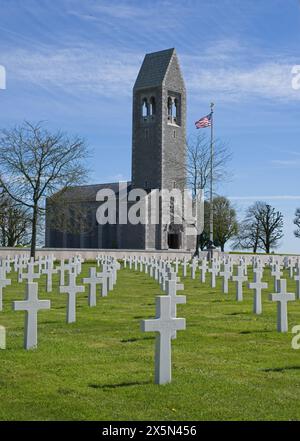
x,y
174,236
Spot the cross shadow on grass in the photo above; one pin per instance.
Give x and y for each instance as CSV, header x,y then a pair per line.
x,y
255,332
118,385
281,369
50,322
131,340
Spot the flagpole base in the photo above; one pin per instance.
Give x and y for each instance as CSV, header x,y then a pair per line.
x,y
210,252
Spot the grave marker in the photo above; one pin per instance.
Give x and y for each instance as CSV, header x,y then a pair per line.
x,y
257,286
72,290
93,280
282,298
240,278
165,325
31,305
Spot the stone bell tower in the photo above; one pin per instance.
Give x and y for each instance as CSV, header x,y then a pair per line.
x,y
159,140
159,123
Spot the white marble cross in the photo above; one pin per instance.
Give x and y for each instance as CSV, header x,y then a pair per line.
x,y
78,264
172,286
184,267
239,279
99,258
165,325
62,268
258,286
156,271
3,283
17,261
105,278
40,264
115,266
92,281
22,264
110,276
7,262
151,267
291,268
2,337
277,274
214,272
49,271
176,265
71,266
259,271
203,268
163,274
194,265
31,306
30,275
72,290
226,274
141,264
297,280
282,298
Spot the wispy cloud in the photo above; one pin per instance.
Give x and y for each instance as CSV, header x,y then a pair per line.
x,y
285,163
105,72
268,80
157,14
85,69
109,9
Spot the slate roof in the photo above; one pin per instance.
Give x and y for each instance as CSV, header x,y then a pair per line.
x,y
87,192
154,69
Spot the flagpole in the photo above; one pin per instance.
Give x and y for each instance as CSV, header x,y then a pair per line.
x,y
211,211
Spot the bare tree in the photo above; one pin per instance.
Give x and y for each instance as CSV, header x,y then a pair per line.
x,y
14,223
271,226
35,163
297,223
198,163
262,228
249,230
248,237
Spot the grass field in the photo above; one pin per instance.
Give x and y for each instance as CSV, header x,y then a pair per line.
x,y
227,365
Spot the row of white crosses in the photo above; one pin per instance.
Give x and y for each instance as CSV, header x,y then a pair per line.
x,y
281,296
107,278
32,304
157,270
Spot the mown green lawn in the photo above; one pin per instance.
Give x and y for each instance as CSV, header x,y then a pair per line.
x,y
227,365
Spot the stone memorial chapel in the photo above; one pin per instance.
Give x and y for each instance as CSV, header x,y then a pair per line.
x,y
158,162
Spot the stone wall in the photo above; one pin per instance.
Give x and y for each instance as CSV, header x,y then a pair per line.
x,y
92,253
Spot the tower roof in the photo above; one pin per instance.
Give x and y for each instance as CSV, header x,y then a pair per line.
x,y
154,69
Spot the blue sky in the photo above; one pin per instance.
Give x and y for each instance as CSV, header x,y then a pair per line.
x,y
73,64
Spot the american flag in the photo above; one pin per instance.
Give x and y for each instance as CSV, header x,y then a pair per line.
x,y
203,122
